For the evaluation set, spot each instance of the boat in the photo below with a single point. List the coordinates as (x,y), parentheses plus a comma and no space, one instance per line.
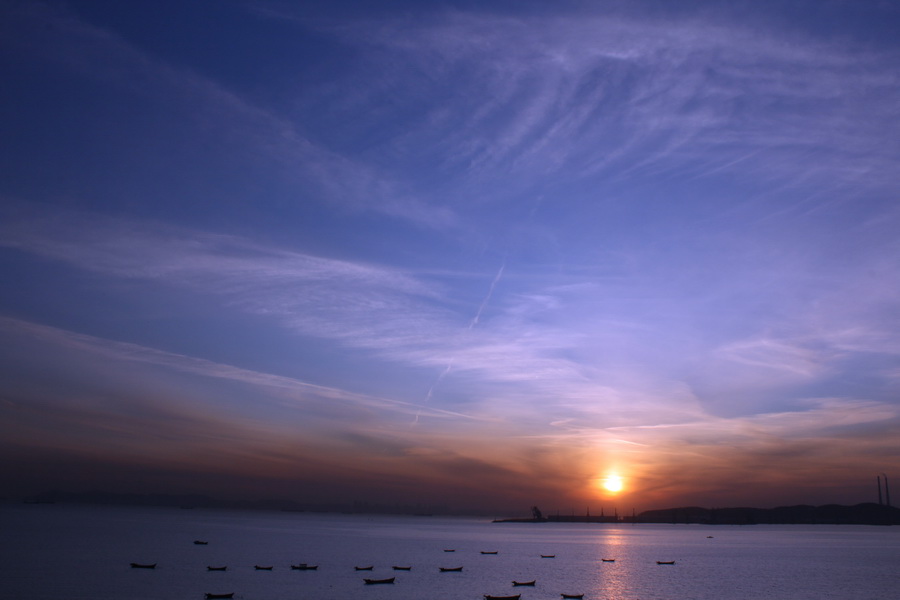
(607,560)
(450,569)
(524,582)
(200,542)
(143,565)
(489,552)
(259,568)
(306,567)
(216,568)
(489,597)
(572,596)
(401,568)
(548,556)
(369,568)
(451,550)
(374,581)
(665,562)
(211,596)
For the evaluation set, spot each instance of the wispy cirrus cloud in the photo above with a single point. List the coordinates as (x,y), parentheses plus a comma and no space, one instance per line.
(236,125)
(588,350)
(407,319)
(286,389)
(591,94)
(520,364)
(318,296)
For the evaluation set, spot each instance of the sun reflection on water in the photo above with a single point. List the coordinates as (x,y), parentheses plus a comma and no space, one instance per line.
(617,578)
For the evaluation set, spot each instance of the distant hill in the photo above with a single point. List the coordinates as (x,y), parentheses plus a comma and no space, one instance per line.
(830,514)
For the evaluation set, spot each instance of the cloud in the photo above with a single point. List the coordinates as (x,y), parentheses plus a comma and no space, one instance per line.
(289,389)
(775,359)
(584,95)
(232,122)
(398,315)
(645,238)
(823,446)
(588,348)
(282,432)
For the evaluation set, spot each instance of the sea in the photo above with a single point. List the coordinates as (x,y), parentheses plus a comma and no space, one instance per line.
(69,552)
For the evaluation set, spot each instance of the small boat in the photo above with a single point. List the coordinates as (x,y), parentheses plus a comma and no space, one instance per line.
(451,550)
(709,537)
(607,560)
(450,569)
(489,552)
(548,556)
(573,596)
(259,568)
(200,542)
(216,568)
(401,568)
(516,597)
(306,567)
(665,562)
(143,565)
(369,568)
(524,582)
(374,581)
(211,596)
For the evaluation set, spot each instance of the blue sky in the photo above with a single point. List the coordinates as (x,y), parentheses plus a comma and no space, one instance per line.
(480,254)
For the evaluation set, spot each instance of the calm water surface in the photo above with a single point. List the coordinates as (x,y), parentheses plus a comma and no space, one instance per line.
(66,552)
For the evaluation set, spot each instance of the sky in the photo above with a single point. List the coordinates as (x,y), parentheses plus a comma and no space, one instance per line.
(460,254)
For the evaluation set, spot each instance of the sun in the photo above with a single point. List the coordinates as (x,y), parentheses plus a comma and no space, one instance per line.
(613,483)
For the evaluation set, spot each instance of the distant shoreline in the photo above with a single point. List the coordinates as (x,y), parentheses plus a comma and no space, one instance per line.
(868,513)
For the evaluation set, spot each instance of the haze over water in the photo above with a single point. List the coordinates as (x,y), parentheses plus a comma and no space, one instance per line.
(53,552)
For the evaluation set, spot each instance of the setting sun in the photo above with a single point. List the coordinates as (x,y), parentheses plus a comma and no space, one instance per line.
(613,483)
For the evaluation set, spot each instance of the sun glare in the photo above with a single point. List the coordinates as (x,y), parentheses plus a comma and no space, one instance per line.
(613,483)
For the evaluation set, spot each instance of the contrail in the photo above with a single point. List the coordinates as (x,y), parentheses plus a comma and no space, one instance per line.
(472,324)
(437,381)
(488,297)
(432,388)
